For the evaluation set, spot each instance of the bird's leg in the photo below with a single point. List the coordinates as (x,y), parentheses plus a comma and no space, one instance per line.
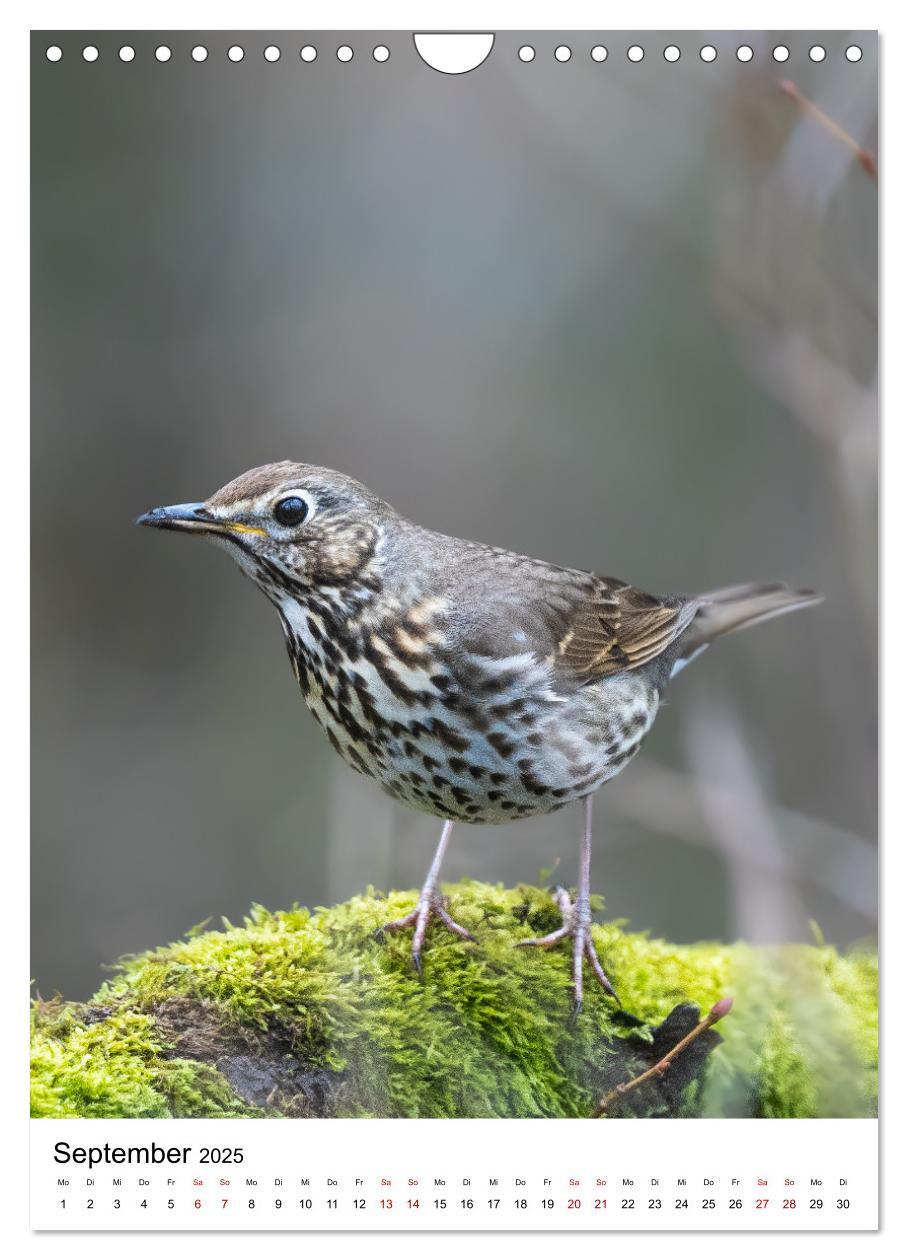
(430,903)
(576,919)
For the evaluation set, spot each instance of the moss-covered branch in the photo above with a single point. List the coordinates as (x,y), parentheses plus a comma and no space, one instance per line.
(305,1014)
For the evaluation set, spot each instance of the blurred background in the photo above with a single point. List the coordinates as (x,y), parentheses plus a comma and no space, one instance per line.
(620,316)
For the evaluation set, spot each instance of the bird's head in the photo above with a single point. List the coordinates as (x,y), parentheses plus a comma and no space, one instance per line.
(291,527)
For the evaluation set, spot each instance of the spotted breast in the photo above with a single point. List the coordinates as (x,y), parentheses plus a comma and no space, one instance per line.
(450,725)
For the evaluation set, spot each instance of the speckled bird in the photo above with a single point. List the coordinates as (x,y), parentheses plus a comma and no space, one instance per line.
(469,682)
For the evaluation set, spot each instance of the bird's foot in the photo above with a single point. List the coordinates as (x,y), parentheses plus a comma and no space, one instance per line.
(431,904)
(575,923)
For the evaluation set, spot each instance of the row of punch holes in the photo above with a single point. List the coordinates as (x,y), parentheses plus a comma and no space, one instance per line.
(526,53)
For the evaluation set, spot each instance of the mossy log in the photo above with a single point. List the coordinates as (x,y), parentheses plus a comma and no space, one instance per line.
(303,1013)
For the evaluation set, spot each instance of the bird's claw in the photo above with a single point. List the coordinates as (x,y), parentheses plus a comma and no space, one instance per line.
(575,923)
(431,904)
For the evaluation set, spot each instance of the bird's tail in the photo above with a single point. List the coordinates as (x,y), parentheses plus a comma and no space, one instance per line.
(734,608)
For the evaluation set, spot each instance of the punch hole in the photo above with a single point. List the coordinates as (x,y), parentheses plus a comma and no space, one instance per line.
(199,53)
(599,52)
(453,53)
(526,52)
(345,53)
(562,53)
(780,53)
(89,53)
(54,53)
(745,53)
(236,53)
(635,53)
(162,53)
(272,53)
(127,53)
(380,52)
(308,53)
(708,53)
(817,53)
(853,53)
(672,53)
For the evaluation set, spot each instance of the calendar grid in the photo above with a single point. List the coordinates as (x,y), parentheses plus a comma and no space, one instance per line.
(438,1175)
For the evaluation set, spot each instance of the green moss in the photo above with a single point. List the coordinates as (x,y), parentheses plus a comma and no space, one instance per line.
(116,1066)
(300,1013)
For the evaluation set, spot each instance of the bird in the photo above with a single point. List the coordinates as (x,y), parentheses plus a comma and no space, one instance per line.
(470,682)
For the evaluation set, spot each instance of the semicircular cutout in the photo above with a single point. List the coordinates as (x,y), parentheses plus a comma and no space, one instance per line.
(453,53)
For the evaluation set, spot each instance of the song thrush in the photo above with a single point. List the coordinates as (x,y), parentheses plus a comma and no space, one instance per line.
(472,683)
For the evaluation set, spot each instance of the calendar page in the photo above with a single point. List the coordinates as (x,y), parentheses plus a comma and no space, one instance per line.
(415,883)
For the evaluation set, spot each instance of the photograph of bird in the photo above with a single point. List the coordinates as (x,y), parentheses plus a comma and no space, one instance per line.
(472,683)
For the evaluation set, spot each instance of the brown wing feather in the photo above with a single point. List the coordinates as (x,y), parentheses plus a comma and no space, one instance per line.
(614,627)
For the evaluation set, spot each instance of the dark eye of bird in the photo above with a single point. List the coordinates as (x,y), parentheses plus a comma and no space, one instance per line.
(291,511)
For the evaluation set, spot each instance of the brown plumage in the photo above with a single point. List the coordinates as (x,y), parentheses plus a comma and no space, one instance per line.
(614,627)
(470,682)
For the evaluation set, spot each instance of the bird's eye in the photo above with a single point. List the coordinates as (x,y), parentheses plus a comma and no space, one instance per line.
(291,511)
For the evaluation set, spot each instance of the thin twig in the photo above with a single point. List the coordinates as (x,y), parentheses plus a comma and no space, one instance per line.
(718,1011)
(864,157)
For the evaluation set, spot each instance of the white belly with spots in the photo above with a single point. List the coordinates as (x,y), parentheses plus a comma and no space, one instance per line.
(481,741)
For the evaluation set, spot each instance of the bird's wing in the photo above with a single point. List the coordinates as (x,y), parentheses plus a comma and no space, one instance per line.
(609,626)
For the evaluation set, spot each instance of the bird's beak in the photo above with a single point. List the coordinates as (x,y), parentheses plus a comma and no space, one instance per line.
(194,518)
(190,517)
